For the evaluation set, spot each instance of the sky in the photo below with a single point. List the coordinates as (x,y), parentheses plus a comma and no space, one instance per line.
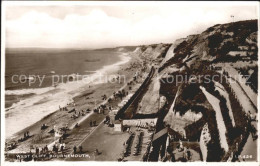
(112,24)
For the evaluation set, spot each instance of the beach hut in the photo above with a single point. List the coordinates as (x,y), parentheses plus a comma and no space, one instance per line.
(122,103)
(128,96)
(118,126)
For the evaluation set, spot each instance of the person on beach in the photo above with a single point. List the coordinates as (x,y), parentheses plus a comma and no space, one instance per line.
(75,149)
(40,150)
(80,149)
(188,153)
(46,148)
(90,123)
(61,148)
(37,150)
(97,152)
(54,148)
(60,140)
(114,94)
(103,97)
(107,119)
(64,146)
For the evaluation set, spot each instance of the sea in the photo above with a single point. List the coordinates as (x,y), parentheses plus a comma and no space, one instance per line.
(39,81)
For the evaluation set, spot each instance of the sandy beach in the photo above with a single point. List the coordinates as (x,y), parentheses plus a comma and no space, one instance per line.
(89,98)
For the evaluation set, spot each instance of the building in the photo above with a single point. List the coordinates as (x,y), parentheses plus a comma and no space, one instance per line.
(112,115)
(139,122)
(118,126)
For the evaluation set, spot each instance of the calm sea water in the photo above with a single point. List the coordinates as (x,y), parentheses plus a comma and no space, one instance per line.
(46,63)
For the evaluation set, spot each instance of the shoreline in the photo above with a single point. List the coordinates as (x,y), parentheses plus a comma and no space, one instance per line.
(23,92)
(94,92)
(72,90)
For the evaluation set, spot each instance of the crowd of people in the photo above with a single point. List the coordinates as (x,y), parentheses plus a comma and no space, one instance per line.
(138,144)
(120,94)
(92,123)
(11,145)
(55,149)
(71,108)
(100,109)
(42,153)
(128,145)
(26,135)
(80,149)
(77,114)
(148,148)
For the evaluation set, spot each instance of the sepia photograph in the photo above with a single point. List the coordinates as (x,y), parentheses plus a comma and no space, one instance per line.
(125,81)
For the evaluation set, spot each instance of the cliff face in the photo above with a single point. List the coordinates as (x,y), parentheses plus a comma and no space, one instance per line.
(214,44)
(155,52)
(194,101)
(193,57)
(151,55)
